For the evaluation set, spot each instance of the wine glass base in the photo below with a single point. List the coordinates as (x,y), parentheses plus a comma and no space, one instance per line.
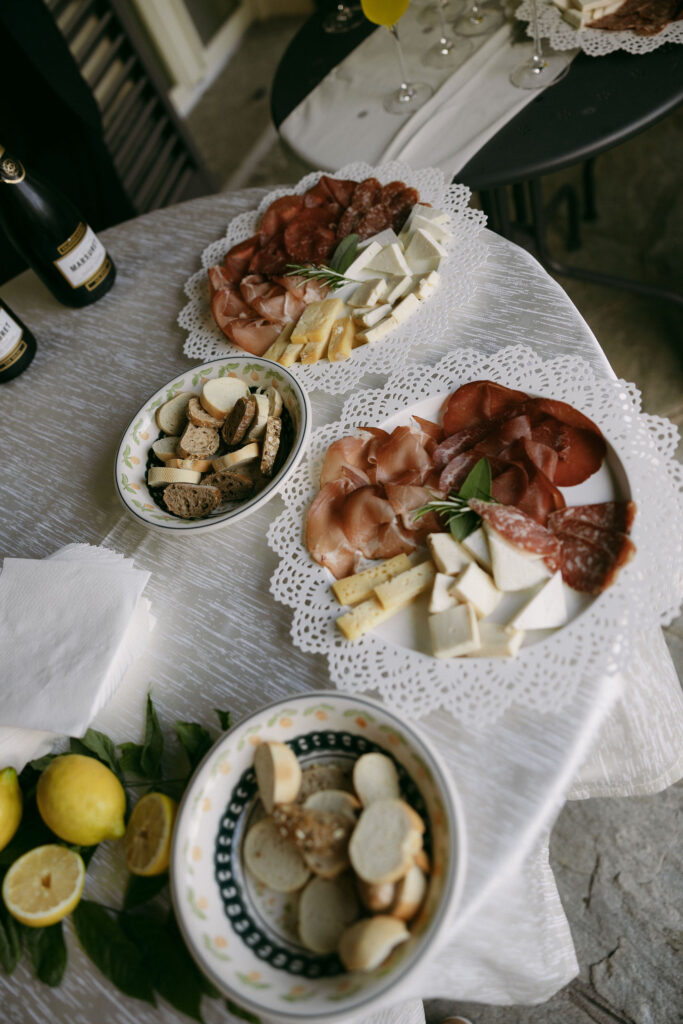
(405,101)
(429,16)
(338,22)
(449,55)
(552,68)
(486,20)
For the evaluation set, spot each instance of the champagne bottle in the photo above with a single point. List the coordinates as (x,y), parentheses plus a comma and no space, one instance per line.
(17,344)
(47,230)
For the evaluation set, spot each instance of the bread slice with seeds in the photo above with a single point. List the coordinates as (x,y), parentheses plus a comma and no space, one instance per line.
(197,414)
(270,445)
(198,442)
(191,501)
(234,484)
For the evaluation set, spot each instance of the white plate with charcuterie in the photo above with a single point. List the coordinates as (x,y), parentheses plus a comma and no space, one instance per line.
(338,276)
(488,537)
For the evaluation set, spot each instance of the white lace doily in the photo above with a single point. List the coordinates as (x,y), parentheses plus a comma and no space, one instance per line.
(595,42)
(647,593)
(466,250)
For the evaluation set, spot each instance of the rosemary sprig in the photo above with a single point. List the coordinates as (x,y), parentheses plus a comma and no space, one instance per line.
(460,519)
(328,276)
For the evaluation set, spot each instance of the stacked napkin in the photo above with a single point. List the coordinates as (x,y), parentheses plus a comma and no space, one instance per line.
(70,627)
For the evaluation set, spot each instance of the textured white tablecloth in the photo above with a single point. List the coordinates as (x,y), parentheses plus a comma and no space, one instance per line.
(343,119)
(221,641)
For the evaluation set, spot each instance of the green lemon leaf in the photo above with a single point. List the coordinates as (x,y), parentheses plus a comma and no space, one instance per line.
(110,949)
(153,747)
(10,940)
(47,951)
(195,740)
(130,755)
(140,889)
(225,719)
(172,971)
(96,744)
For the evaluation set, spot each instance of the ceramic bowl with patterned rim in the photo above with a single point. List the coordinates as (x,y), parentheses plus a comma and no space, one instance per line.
(132,457)
(244,936)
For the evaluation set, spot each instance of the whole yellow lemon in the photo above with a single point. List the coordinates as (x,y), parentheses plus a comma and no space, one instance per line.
(11,805)
(81,800)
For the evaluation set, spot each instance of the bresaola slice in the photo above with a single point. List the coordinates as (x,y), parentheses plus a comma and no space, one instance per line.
(610,515)
(594,544)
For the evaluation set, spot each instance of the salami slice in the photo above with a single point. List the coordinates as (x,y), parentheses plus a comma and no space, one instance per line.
(341,189)
(365,193)
(347,222)
(278,215)
(591,569)
(374,220)
(614,542)
(388,191)
(611,515)
(271,260)
(520,530)
(401,205)
(311,235)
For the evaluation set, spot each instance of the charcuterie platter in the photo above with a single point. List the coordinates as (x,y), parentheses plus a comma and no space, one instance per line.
(518,637)
(338,276)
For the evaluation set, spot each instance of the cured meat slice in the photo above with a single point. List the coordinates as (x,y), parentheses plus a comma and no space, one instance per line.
(374,220)
(405,499)
(611,541)
(236,260)
(388,191)
(590,568)
(218,278)
(278,215)
(341,189)
(319,194)
(433,429)
(347,451)
(324,535)
(403,457)
(520,530)
(611,515)
(478,402)
(253,334)
(270,300)
(453,476)
(271,259)
(311,236)
(227,304)
(365,193)
(309,291)
(401,205)
(580,451)
(347,222)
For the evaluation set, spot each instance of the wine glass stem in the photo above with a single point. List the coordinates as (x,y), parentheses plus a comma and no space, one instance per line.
(537,58)
(441,7)
(399,50)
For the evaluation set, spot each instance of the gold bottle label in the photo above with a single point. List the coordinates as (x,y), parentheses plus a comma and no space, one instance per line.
(12,343)
(12,171)
(83,260)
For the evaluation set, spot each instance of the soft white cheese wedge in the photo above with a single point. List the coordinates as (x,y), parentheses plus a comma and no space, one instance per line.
(454,631)
(369,293)
(423,253)
(437,231)
(448,556)
(547,609)
(477,587)
(359,265)
(397,286)
(477,546)
(426,286)
(497,641)
(429,213)
(405,308)
(368,317)
(380,330)
(386,237)
(440,598)
(389,260)
(513,568)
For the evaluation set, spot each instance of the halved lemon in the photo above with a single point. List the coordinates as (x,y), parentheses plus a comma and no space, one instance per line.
(147,842)
(44,885)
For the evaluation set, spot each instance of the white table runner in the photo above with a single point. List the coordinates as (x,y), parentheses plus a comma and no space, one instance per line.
(343,118)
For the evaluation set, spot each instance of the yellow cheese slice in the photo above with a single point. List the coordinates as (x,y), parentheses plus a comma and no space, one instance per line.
(406,586)
(341,340)
(315,323)
(358,588)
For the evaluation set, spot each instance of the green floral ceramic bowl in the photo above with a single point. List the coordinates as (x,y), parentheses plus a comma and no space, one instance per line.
(244,936)
(130,468)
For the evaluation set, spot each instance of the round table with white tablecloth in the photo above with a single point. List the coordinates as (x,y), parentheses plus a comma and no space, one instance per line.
(222,641)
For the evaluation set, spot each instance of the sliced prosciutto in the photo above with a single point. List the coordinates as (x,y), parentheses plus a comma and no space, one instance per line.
(253,334)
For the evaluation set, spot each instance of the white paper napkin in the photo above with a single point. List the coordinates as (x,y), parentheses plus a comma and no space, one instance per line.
(70,627)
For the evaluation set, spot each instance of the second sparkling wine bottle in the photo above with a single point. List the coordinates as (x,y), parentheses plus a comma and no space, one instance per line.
(47,230)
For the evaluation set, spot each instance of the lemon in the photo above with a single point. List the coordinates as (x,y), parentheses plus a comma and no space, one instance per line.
(147,842)
(44,885)
(11,805)
(81,800)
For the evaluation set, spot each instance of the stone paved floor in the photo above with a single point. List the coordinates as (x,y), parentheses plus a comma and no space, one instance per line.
(618,863)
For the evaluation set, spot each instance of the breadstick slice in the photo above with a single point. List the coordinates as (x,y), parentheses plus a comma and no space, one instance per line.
(375,778)
(385,841)
(367,943)
(335,801)
(326,907)
(274,860)
(278,774)
(410,893)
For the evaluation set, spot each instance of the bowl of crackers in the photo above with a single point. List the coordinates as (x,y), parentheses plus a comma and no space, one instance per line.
(213,444)
(318,858)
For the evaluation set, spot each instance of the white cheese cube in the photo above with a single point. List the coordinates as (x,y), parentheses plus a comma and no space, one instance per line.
(389,260)
(477,546)
(426,286)
(429,213)
(547,609)
(437,231)
(361,261)
(497,641)
(477,587)
(405,308)
(369,316)
(370,292)
(423,253)
(513,568)
(454,631)
(386,237)
(380,330)
(448,556)
(440,598)
(397,286)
